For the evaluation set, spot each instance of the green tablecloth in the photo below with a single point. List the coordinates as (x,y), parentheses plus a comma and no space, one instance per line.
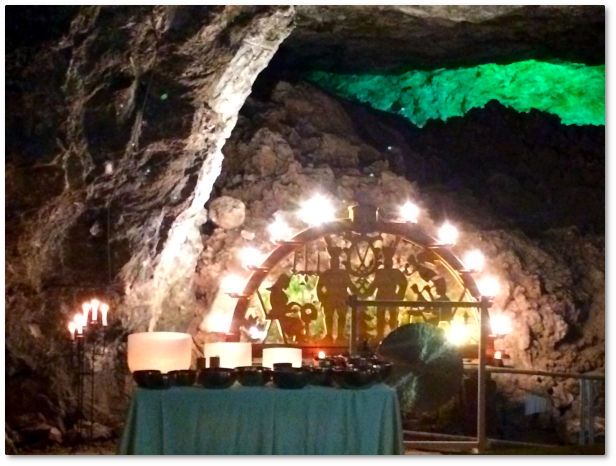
(263,421)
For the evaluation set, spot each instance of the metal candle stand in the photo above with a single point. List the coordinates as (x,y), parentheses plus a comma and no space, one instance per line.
(87,346)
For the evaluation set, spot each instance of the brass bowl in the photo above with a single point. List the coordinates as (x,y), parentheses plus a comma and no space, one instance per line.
(291,378)
(355,377)
(182,378)
(149,379)
(253,376)
(217,377)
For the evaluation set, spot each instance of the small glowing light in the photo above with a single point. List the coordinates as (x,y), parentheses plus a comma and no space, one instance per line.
(255,333)
(104,310)
(474,260)
(108,168)
(447,233)
(388,147)
(488,286)
(500,324)
(219,323)
(250,257)
(94,304)
(279,230)
(498,355)
(80,321)
(458,333)
(317,210)
(409,212)
(232,284)
(72,327)
(322,355)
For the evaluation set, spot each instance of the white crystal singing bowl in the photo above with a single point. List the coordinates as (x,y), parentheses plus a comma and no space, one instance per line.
(163,351)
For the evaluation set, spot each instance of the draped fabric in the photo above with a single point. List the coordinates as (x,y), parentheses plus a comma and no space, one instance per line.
(263,421)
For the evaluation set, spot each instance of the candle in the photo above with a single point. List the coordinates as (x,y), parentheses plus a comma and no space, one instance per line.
(72,327)
(80,321)
(104,310)
(95,303)
(85,307)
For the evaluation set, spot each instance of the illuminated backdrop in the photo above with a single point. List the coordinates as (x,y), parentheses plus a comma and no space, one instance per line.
(574,92)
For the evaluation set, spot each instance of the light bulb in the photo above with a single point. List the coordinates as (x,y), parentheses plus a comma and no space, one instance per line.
(317,210)
(255,333)
(500,324)
(474,260)
(279,230)
(232,284)
(322,355)
(409,212)
(488,286)
(458,333)
(448,234)
(250,257)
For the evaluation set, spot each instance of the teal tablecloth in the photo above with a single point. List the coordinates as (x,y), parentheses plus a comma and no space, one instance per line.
(263,421)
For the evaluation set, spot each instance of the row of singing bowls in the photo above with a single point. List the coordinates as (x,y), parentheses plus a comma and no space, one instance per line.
(254,376)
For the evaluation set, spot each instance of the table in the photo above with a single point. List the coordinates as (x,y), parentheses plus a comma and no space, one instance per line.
(263,421)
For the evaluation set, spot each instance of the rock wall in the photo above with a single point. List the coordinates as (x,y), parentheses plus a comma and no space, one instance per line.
(114,142)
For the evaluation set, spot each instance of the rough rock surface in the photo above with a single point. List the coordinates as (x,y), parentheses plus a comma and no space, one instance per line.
(227,212)
(553,275)
(394,37)
(115,132)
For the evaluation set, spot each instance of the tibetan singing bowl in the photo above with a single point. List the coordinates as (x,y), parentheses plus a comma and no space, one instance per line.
(355,377)
(149,379)
(292,378)
(321,376)
(253,376)
(182,378)
(217,377)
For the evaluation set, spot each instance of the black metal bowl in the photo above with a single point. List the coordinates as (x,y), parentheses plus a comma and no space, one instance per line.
(321,376)
(149,379)
(355,377)
(253,376)
(182,378)
(385,369)
(217,377)
(293,377)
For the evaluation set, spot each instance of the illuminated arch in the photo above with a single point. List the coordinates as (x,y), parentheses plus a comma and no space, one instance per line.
(363,220)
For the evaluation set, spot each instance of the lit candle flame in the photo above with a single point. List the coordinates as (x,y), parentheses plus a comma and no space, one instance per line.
(488,286)
(250,257)
(279,230)
(104,309)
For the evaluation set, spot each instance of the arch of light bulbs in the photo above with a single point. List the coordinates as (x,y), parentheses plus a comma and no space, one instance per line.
(319,210)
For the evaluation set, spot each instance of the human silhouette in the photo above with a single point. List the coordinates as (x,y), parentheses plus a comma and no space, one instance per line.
(333,290)
(290,324)
(390,284)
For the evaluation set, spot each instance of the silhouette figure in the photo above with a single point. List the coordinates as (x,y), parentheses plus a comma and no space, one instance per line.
(290,323)
(389,283)
(333,291)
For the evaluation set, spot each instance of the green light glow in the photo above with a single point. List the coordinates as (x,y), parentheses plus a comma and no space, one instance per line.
(574,92)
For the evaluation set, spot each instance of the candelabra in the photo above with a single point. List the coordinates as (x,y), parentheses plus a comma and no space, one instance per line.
(88,336)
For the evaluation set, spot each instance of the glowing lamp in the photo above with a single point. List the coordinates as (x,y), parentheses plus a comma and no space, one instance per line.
(409,212)
(498,355)
(232,284)
(231,354)
(474,260)
(500,324)
(317,210)
(488,286)
(321,355)
(272,356)
(448,234)
(163,351)
(458,333)
(250,257)
(81,321)
(279,230)
(85,307)
(218,323)
(255,333)
(72,327)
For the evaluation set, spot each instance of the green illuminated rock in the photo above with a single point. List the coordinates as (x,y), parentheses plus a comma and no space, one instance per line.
(574,92)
